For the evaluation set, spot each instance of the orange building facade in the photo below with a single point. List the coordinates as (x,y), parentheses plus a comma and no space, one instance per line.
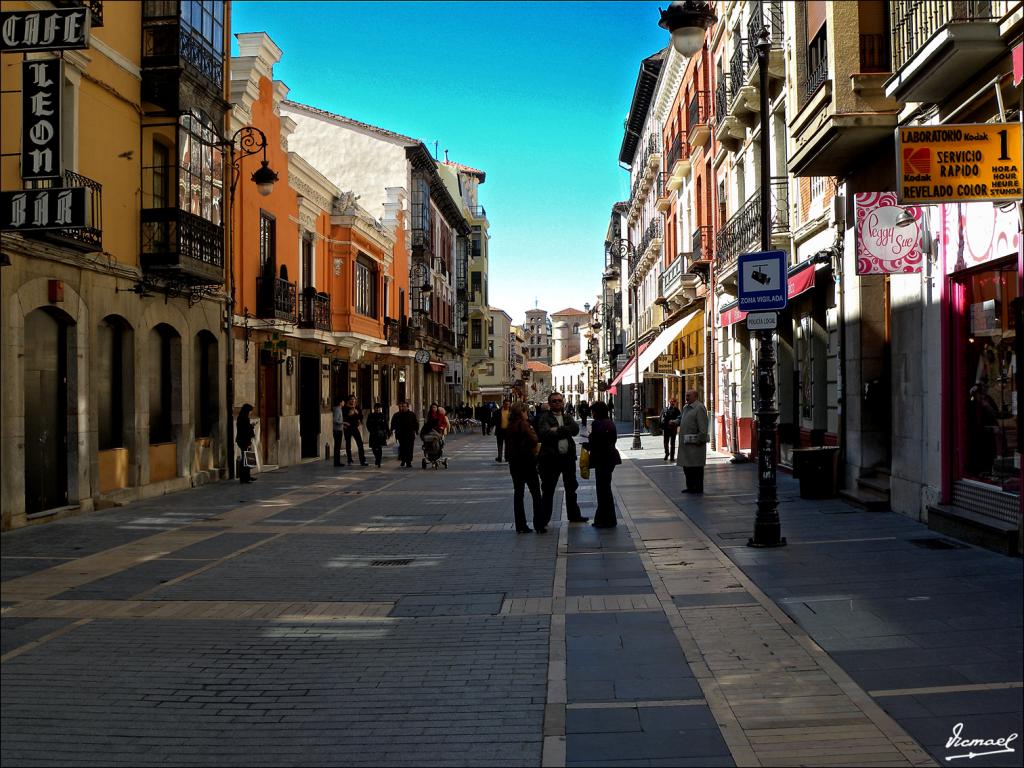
(318,283)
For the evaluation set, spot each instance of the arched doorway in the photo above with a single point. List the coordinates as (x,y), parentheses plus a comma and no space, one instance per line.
(207,399)
(113,381)
(164,402)
(46,409)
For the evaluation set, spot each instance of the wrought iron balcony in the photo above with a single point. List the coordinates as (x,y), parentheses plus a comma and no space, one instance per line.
(477,211)
(738,66)
(676,152)
(874,54)
(392,331)
(722,99)
(168,44)
(275,299)
(915,22)
(652,233)
(703,247)
(769,15)
(181,245)
(95,6)
(88,239)
(698,118)
(419,225)
(939,45)
(742,232)
(663,193)
(315,310)
(817,74)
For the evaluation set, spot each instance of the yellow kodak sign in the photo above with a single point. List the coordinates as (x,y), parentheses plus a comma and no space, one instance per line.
(959,163)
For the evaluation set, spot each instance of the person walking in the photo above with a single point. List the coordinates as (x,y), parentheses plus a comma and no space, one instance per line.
(432,421)
(584,410)
(404,426)
(244,435)
(557,458)
(693,454)
(604,457)
(521,454)
(669,427)
(499,421)
(444,426)
(338,414)
(377,426)
(353,421)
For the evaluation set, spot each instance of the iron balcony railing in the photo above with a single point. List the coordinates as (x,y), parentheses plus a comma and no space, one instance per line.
(392,332)
(874,53)
(769,15)
(96,6)
(419,224)
(671,277)
(742,232)
(914,22)
(168,43)
(661,184)
(653,146)
(676,152)
(275,299)
(738,65)
(315,310)
(702,243)
(697,113)
(721,99)
(478,211)
(90,237)
(179,242)
(652,232)
(817,73)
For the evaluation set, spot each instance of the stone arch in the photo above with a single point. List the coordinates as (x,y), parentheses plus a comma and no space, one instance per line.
(74,314)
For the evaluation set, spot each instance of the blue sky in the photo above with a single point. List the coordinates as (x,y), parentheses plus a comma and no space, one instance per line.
(533,93)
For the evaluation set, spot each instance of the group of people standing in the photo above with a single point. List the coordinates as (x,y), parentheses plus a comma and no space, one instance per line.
(542,452)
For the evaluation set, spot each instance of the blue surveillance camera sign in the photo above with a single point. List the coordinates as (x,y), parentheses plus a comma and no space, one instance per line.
(763,282)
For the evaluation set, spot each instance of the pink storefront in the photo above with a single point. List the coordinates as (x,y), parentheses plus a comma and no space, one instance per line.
(981,257)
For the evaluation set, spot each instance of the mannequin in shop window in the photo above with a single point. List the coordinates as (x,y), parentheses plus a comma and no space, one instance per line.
(982,430)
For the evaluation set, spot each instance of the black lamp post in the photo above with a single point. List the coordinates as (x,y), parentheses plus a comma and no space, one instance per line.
(250,140)
(688,21)
(767,527)
(620,248)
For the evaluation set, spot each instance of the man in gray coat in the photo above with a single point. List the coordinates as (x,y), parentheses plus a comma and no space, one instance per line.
(693,433)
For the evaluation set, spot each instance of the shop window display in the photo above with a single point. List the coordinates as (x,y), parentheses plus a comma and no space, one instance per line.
(989,382)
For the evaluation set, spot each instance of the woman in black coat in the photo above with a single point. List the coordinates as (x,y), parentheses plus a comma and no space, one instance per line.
(244,435)
(604,457)
(377,426)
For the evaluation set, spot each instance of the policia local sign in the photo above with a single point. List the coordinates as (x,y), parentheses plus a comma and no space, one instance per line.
(959,163)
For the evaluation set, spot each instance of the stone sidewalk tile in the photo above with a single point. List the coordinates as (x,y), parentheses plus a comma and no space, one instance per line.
(737,650)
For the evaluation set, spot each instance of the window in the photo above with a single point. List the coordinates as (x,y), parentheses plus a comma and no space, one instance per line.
(204,19)
(161,173)
(490,329)
(366,286)
(268,255)
(307,260)
(475,285)
(201,171)
(112,344)
(477,333)
(490,348)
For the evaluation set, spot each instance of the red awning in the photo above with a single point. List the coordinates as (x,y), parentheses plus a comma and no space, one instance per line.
(436,366)
(801,281)
(625,368)
(729,316)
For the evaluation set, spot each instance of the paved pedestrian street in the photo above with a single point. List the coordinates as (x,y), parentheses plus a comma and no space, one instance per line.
(394,617)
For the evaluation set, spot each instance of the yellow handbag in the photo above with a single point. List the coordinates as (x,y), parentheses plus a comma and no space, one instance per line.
(584,463)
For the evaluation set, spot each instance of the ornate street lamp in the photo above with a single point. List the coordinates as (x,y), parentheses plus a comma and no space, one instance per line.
(621,248)
(250,140)
(687,21)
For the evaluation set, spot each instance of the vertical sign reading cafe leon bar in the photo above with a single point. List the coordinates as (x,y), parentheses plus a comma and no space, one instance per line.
(40,126)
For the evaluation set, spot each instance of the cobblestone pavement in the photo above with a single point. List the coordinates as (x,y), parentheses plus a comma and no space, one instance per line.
(394,617)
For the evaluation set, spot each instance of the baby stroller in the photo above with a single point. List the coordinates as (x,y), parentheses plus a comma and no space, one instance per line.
(433,450)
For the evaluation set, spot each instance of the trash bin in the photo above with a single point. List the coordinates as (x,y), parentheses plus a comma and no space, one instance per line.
(654,424)
(818,471)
